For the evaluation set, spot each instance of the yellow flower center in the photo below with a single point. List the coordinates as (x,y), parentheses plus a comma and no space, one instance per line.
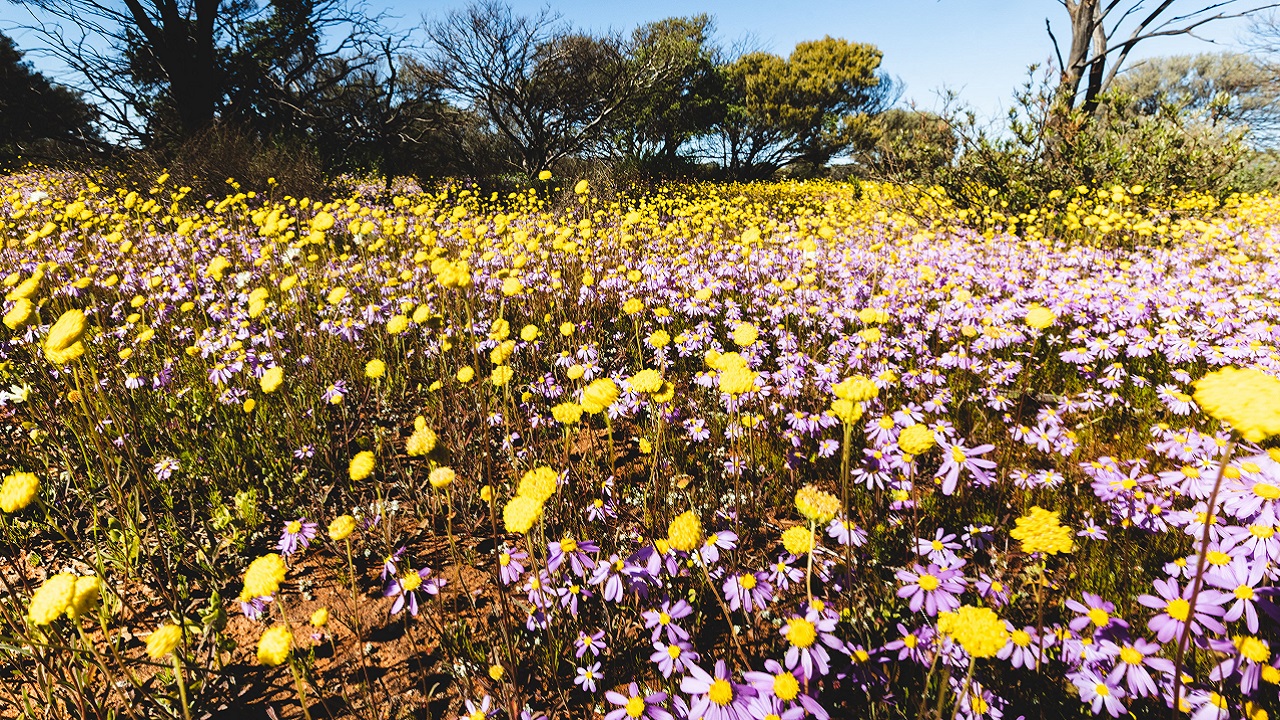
(293,528)
(1102,689)
(568,545)
(1130,656)
(936,545)
(411,581)
(1253,648)
(785,686)
(1217,557)
(910,641)
(504,559)
(802,633)
(747,581)
(1021,638)
(1244,592)
(664,619)
(1266,491)
(1099,617)
(673,651)
(1178,609)
(957,455)
(928,582)
(635,707)
(1262,532)
(720,693)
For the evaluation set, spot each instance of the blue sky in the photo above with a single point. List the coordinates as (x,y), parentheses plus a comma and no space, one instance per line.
(980,48)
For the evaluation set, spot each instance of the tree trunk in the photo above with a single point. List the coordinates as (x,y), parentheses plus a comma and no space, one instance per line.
(1085,17)
(1097,70)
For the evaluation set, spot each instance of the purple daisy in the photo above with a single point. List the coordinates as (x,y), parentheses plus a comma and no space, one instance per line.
(636,705)
(297,534)
(405,589)
(932,588)
(716,696)
(1176,610)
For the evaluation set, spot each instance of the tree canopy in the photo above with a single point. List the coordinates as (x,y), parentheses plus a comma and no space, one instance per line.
(33,109)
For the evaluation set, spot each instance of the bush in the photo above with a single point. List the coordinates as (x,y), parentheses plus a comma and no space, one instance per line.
(1040,149)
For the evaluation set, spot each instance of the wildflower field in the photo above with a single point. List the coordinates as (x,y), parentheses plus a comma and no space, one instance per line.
(718,452)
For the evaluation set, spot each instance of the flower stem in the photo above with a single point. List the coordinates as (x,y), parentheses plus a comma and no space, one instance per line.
(1198,579)
(182,687)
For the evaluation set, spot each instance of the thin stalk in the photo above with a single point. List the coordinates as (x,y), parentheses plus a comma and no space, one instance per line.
(1198,579)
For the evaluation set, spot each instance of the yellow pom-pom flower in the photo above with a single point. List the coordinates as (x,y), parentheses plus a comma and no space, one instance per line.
(745,335)
(63,343)
(599,395)
(567,413)
(818,506)
(20,314)
(1039,317)
(855,389)
(737,379)
(84,596)
(798,540)
(320,617)
(397,324)
(1248,400)
(163,641)
(917,439)
(684,533)
(271,379)
(275,645)
(646,381)
(341,527)
(538,484)
(1040,531)
(520,513)
(980,632)
(361,466)
(263,577)
(52,599)
(442,477)
(421,442)
(18,490)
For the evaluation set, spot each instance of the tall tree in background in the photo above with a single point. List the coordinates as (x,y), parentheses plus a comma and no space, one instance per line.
(33,109)
(1234,91)
(389,118)
(548,90)
(805,109)
(169,68)
(685,102)
(1105,32)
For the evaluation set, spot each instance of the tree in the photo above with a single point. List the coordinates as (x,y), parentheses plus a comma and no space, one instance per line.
(33,109)
(1235,91)
(684,104)
(806,109)
(162,69)
(547,90)
(387,117)
(904,143)
(1105,32)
